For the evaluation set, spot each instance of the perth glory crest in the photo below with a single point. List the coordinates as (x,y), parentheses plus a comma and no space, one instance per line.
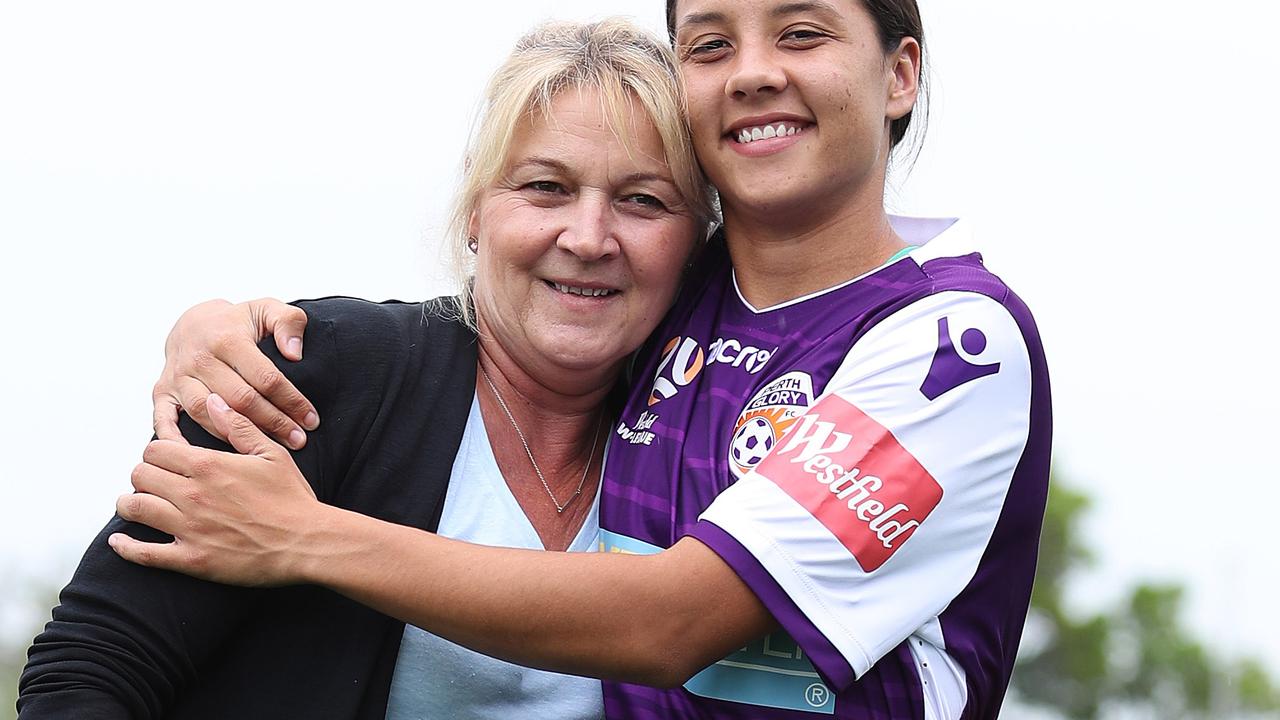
(766,418)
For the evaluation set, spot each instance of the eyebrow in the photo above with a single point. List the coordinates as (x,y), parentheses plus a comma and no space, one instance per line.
(649,177)
(557,166)
(539,161)
(702,18)
(791,8)
(802,6)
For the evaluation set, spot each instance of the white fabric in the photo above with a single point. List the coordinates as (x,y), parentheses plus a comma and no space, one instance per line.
(941,677)
(435,678)
(967,440)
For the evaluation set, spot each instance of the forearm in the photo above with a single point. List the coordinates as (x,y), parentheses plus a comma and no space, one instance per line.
(645,619)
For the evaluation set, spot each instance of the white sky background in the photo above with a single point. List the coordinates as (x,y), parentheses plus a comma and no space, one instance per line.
(1115,158)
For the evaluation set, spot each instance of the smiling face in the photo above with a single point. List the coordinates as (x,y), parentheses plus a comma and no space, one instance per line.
(791,102)
(582,238)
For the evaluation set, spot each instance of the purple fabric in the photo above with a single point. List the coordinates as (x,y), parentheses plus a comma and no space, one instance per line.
(713,368)
(983,625)
(835,670)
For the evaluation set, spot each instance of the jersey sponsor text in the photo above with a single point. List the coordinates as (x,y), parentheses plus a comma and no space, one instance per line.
(851,473)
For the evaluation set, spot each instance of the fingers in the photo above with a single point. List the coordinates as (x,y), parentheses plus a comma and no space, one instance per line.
(164,417)
(192,396)
(252,385)
(154,506)
(150,510)
(165,556)
(179,458)
(203,464)
(170,398)
(164,484)
(213,347)
(243,435)
(285,322)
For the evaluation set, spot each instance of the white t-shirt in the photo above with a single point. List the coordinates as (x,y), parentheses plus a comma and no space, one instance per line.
(435,678)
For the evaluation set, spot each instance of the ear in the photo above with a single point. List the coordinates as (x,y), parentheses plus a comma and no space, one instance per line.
(473,224)
(904,78)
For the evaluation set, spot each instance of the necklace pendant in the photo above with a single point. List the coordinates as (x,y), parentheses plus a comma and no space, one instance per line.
(595,439)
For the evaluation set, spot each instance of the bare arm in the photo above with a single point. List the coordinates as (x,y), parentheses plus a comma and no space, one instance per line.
(251,519)
(650,619)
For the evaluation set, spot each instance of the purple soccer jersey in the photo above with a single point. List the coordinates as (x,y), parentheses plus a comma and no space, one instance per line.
(872,460)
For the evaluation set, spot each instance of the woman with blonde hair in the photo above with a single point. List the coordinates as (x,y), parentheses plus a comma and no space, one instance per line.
(583,203)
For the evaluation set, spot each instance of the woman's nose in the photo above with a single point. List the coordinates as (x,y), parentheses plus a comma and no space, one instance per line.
(590,235)
(756,71)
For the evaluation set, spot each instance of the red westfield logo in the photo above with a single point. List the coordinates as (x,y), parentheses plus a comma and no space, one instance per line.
(850,472)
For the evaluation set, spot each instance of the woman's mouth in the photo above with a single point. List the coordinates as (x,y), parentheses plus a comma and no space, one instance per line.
(582,291)
(748,135)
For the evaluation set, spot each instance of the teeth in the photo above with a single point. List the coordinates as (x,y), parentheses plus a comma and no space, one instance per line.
(585,292)
(765,132)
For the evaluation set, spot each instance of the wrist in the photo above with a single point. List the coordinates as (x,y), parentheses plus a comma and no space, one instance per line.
(323,539)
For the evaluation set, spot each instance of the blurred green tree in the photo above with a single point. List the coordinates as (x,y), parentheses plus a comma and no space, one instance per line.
(1136,658)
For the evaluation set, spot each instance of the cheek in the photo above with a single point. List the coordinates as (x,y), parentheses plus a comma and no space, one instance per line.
(662,262)
(859,103)
(703,96)
(502,268)
(519,242)
(489,293)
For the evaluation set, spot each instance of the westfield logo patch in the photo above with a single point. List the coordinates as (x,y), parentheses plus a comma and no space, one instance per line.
(850,472)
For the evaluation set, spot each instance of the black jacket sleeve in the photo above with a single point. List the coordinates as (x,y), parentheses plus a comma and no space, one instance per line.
(125,639)
(393,383)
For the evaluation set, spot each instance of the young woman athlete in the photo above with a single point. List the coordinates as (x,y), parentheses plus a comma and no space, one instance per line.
(825,490)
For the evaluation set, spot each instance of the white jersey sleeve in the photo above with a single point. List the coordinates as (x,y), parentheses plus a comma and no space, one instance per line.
(874,510)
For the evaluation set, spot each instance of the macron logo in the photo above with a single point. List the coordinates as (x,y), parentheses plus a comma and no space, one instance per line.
(949,369)
(854,477)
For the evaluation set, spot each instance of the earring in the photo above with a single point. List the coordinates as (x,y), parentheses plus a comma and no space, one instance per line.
(473,244)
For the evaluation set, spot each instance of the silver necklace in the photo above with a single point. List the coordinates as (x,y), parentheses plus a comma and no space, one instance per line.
(560,507)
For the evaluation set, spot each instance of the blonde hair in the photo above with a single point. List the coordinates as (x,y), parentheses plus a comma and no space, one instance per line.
(624,64)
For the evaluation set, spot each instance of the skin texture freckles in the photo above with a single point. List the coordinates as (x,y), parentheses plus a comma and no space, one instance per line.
(824,68)
(791,204)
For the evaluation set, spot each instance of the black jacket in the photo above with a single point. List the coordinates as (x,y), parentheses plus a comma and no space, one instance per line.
(393,384)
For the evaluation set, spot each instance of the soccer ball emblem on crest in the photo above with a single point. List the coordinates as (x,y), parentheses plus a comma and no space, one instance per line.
(766,418)
(752,442)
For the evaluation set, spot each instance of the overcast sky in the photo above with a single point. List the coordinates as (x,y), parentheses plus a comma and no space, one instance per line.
(1115,159)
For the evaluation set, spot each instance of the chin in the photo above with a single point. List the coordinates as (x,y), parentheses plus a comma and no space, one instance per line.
(582,352)
(773,197)
(759,202)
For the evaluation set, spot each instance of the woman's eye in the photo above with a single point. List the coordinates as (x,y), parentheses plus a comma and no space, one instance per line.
(648,202)
(544,186)
(803,36)
(705,49)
